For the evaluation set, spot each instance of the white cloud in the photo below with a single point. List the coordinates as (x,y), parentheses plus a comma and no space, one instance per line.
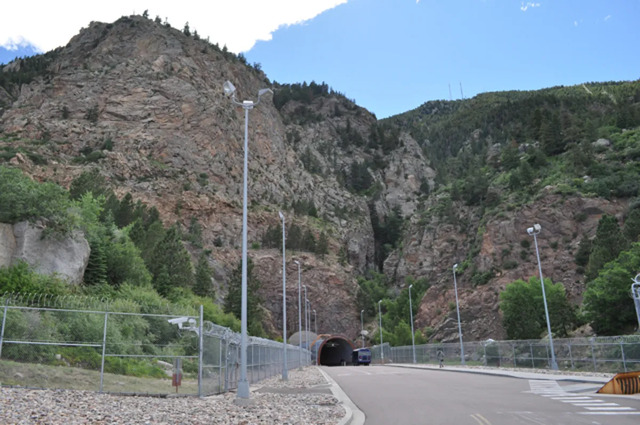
(524,6)
(15,44)
(606,18)
(236,23)
(575,23)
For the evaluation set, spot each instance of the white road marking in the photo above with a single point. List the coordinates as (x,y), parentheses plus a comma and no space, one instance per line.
(552,390)
(609,413)
(619,408)
(571,398)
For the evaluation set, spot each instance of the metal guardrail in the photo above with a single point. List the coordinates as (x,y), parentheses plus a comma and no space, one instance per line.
(125,352)
(597,354)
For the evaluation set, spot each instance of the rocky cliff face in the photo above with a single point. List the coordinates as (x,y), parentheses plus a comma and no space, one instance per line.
(144,103)
(505,250)
(156,96)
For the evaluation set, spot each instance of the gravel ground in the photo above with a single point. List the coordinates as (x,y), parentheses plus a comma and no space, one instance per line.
(303,399)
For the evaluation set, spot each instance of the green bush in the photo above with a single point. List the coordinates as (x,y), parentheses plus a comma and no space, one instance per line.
(20,278)
(24,199)
(523,312)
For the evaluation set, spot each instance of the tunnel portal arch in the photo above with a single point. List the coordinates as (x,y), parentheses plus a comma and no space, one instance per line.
(333,350)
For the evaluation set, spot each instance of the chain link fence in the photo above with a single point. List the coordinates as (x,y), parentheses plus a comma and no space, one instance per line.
(85,348)
(596,354)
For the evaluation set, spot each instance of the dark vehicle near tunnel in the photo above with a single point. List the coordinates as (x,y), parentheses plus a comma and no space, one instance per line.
(361,356)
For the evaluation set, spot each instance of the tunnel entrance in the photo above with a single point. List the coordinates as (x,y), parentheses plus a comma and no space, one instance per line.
(334,351)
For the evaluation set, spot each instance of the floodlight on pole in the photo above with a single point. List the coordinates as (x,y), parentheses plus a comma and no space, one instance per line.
(455,286)
(306,334)
(362,327)
(381,341)
(413,337)
(299,317)
(309,325)
(533,231)
(635,293)
(229,91)
(315,321)
(284,302)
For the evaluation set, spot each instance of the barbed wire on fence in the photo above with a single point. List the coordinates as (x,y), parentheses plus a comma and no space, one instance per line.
(87,302)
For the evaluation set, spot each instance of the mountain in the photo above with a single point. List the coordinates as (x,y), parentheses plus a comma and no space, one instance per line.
(407,197)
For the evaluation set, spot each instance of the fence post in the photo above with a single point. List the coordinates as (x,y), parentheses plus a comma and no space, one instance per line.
(200,328)
(624,360)
(515,362)
(220,346)
(593,355)
(533,361)
(4,319)
(104,348)
(484,347)
(226,363)
(571,355)
(546,349)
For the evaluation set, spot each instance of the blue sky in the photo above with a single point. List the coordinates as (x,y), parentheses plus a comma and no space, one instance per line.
(391,56)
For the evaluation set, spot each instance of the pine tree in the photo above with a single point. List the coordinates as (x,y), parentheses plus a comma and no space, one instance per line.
(202,285)
(294,237)
(631,228)
(309,241)
(232,302)
(89,181)
(551,136)
(171,254)
(607,244)
(322,248)
(96,270)
(124,214)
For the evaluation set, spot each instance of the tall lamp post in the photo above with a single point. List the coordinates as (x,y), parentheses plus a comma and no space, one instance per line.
(309,317)
(309,322)
(315,321)
(455,286)
(229,90)
(284,303)
(381,342)
(362,327)
(299,316)
(413,337)
(306,334)
(533,231)
(635,293)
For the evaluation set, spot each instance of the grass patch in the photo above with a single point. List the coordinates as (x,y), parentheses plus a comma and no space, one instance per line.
(31,375)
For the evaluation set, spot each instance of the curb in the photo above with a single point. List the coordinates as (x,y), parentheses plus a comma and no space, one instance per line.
(510,374)
(353,415)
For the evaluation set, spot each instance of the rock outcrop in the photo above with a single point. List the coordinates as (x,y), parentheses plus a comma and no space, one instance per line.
(65,257)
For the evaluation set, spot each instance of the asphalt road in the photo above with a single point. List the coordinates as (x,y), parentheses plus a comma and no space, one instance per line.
(389,395)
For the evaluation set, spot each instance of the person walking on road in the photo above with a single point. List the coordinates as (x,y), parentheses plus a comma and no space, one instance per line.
(440,356)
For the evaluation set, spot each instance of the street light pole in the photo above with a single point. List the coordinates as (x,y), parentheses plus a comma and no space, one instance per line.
(243,383)
(381,342)
(309,317)
(413,337)
(455,286)
(306,334)
(362,327)
(315,321)
(533,231)
(635,293)
(299,316)
(284,303)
